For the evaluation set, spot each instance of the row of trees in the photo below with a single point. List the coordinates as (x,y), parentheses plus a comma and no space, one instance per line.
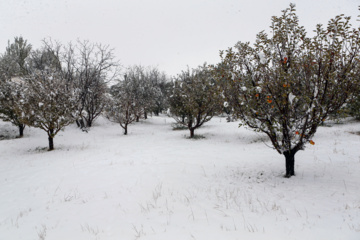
(51,87)
(285,85)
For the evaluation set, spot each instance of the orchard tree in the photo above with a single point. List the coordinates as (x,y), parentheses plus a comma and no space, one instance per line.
(50,98)
(140,89)
(47,57)
(12,100)
(195,98)
(133,96)
(122,105)
(153,88)
(153,97)
(94,68)
(50,102)
(13,67)
(88,67)
(353,107)
(14,61)
(161,90)
(287,84)
(177,107)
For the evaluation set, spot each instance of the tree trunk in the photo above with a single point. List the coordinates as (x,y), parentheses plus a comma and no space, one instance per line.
(89,122)
(21,130)
(289,163)
(81,123)
(192,132)
(125,129)
(137,118)
(190,127)
(51,143)
(145,115)
(51,139)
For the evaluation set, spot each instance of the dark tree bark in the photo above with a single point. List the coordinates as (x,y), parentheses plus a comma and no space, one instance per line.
(145,115)
(21,130)
(289,163)
(51,143)
(51,139)
(125,130)
(80,123)
(192,130)
(89,122)
(137,118)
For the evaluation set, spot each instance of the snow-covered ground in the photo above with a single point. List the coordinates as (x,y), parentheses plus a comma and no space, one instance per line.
(156,183)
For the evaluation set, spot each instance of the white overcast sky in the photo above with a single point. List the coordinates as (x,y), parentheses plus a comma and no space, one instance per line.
(168,34)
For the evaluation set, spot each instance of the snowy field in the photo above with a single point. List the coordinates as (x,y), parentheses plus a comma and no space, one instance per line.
(157,184)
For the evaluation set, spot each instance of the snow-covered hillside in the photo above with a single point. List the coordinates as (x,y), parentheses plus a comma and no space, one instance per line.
(156,183)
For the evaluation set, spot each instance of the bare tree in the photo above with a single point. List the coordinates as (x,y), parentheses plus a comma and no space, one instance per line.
(123,105)
(94,68)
